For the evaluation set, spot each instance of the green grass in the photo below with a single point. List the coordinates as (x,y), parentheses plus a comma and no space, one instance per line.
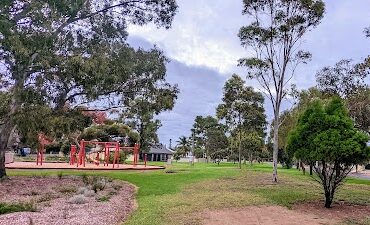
(179,197)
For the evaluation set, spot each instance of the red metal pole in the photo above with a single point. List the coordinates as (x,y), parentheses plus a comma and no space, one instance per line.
(118,154)
(114,157)
(105,154)
(84,155)
(42,153)
(37,156)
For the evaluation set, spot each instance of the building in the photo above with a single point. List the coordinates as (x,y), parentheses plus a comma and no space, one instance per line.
(158,152)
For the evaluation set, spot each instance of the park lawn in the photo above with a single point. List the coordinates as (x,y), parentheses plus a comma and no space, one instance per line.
(179,194)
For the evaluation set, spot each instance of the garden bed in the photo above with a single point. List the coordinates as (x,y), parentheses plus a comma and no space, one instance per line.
(65,200)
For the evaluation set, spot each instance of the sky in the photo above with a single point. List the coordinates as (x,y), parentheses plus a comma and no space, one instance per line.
(204,48)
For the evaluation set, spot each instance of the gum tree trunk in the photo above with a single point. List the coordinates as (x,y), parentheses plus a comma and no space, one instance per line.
(275,148)
(6,131)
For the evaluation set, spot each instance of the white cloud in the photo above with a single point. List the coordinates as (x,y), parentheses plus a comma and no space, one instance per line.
(204,33)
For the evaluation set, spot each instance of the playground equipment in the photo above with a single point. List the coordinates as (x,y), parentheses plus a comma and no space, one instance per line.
(43,140)
(108,147)
(79,157)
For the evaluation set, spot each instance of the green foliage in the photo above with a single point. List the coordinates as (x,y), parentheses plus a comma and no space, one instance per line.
(217,144)
(344,79)
(202,128)
(242,107)
(16,207)
(359,108)
(60,175)
(104,198)
(104,132)
(182,147)
(153,95)
(326,134)
(251,144)
(52,65)
(123,155)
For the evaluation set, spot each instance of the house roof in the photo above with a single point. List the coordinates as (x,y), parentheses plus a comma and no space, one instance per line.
(159,149)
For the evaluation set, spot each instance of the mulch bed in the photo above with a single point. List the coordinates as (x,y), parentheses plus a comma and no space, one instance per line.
(51,197)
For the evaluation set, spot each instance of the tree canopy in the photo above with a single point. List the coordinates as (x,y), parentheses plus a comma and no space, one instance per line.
(65,53)
(326,134)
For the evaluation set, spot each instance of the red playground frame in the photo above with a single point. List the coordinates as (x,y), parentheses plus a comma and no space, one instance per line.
(80,157)
(43,140)
(108,146)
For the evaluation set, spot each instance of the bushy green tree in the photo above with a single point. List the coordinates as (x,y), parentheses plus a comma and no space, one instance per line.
(241,110)
(202,128)
(251,145)
(217,144)
(70,52)
(152,95)
(106,132)
(325,134)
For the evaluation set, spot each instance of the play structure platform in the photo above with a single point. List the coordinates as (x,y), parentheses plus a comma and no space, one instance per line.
(88,166)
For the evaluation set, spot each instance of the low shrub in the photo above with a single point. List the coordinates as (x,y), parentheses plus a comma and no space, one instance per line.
(78,199)
(85,179)
(82,190)
(17,207)
(60,175)
(104,198)
(89,193)
(67,189)
(45,198)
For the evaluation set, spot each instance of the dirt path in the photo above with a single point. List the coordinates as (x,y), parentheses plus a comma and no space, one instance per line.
(264,215)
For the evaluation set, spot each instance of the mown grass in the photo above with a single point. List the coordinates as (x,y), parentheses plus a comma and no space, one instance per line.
(181,196)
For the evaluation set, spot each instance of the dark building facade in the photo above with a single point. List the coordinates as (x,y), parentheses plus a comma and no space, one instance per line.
(158,153)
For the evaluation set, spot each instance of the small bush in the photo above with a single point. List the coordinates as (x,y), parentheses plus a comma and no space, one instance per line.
(67,189)
(89,193)
(45,198)
(78,199)
(98,184)
(104,198)
(17,207)
(116,187)
(82,190)
(60,175)
(367,167)
(85,179)
(122,157)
